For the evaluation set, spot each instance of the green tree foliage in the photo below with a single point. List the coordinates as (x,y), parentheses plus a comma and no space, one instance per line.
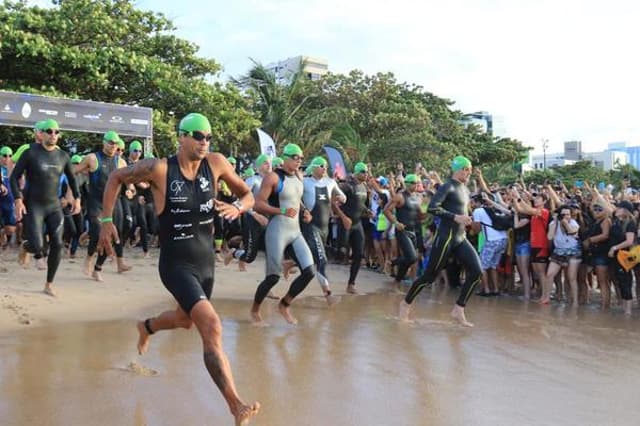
(109,51)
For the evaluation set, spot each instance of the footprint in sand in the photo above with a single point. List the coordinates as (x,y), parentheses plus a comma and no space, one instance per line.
(139,370)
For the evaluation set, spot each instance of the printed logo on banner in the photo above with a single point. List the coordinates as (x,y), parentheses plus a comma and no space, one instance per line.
(7,109)
(92,116)
(139,121)
(116,119)
(70,114)
(48,111)
(26,110)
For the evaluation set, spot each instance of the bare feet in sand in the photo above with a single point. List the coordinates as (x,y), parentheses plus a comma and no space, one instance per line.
(96,275)
(457,313)
(242,266)
(123,267)
(351,289)
(88,265)
(24,257)
(331,299)
(228,256)
(41,264)
(256,319)
(284,311)
(48,290)
(143,338)
(245,412)
(404,311)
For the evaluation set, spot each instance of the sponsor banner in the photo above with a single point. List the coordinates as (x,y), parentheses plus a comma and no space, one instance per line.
(24,109)
(267,146)
(336,162)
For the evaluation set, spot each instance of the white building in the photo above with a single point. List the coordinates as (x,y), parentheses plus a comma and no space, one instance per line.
(313,68)
(552,160)
(607,160)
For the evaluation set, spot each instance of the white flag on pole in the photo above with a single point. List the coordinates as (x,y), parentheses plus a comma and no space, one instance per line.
(267,146)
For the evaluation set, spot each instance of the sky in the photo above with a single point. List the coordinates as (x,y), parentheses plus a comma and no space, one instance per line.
(555,70)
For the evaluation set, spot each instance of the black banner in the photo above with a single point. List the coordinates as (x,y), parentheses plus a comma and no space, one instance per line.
(24,109)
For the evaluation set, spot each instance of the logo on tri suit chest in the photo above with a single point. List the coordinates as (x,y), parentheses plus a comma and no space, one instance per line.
(182,236)
(176,187)
(207,207)
(178,211)
(180,226)
(204,184)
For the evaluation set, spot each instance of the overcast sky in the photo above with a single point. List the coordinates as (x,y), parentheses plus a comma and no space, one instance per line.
(557,70)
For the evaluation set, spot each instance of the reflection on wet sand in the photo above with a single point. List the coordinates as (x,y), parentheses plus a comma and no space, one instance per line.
(348,365)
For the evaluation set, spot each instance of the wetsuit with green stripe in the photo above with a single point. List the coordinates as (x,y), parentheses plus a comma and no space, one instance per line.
(451,199)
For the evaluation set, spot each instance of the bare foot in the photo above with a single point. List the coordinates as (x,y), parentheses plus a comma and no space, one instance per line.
(41,264)
(145,255)
(88,265)
(272,295)
(245,413)
(331,299)
(457,313)
(143,338)
(242,266)
(23,257)
(404,311)
(48,290)
(122,267)
(256,319)
(544,301)
(228,257)
(219,257)
(284,311)
(96,275)
(351,289)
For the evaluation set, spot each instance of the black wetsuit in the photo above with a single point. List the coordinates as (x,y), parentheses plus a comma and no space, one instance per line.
(355,208)
(617,235)
(408,215)
(97,181)
(187,258)
(146,218)
(451,199)
(43,169)
(252,231)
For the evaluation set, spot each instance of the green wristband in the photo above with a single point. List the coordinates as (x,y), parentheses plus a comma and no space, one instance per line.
(283,210)
(106,219)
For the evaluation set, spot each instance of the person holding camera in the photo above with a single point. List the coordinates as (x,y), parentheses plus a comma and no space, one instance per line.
(566,255)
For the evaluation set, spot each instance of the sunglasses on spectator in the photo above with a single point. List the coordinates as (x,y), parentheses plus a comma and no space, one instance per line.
(52,131)
(295,157)
(136,150)
(6,155)
(199,136)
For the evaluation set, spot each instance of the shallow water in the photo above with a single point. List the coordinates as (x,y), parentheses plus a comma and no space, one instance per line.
(352,364)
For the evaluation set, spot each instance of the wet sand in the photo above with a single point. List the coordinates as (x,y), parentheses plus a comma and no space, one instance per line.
(353,364)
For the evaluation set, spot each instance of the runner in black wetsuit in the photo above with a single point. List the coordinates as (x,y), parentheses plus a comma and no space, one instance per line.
(74,224)
(319,191)
(253,223)
(351,214)
(100,165)
(450,204)
(43,164)
(407,215)
(184,191)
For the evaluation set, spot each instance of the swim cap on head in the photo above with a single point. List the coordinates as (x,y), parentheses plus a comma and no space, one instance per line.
(47,124)
(135,146)
(383,181)
(111,136)
(459,163)
(231,160)
(291,149)
(76,159)
(360,167)
(318,162)
(261,159)
(276,162)
(194,121)
(249,172)
(121,144)
(5,150)
(411,178)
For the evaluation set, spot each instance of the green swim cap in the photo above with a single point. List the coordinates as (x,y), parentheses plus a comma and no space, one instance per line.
(459,163)
(231,160)
(411,178)
(277,162)
(291,149)
(261,159)
(121,144)
(47,124)
(360,167)
(249,172)
(5,150)
(194,122)
(76,159)
(309,170)
(135,146)
(318,162)
(111,136)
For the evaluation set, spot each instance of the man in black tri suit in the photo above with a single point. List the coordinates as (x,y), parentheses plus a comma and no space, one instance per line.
(43,164)
(451,204)
(184,188)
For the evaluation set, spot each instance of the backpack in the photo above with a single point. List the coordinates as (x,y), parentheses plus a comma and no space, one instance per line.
(500,221)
